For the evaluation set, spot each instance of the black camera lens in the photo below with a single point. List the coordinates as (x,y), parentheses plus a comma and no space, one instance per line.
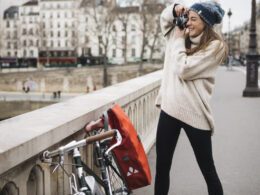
(181,21)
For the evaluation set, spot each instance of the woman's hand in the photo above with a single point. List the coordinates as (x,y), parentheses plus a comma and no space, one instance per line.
(181,33)
(180,10)
(94,125)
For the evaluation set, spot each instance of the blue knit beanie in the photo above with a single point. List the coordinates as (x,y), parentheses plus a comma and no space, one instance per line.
(210,12)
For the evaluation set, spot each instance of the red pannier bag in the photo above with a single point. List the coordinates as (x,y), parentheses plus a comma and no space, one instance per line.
(130,155)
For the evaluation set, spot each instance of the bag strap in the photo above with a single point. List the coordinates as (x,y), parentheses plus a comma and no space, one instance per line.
(105,115)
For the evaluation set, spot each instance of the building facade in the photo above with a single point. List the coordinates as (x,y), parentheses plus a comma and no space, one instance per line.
(65,32)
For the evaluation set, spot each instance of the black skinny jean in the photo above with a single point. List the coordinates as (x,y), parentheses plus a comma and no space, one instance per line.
(167,136)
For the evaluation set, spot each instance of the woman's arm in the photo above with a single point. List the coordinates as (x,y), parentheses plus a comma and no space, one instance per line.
(167,16)
(200,65)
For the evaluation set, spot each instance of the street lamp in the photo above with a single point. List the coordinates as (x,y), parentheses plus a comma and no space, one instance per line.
(229,38)
(252,89)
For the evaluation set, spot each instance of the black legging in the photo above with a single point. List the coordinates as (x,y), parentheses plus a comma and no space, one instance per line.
(167,136)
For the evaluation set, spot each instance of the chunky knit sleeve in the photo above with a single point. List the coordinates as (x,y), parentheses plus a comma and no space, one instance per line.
(202,64)
(166,19)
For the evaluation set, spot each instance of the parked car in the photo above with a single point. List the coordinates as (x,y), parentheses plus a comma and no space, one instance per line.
(236,62)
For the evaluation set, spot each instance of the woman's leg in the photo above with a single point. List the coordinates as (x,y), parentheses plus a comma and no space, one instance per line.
(202,147)
(168,131)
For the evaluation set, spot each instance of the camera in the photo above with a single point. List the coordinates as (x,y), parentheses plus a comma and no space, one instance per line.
(181,21)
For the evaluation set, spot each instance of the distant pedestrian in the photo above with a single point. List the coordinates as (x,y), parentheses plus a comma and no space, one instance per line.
(230,61)
(58,94)
(192,57)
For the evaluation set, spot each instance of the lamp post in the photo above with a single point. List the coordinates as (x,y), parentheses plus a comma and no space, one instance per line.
(252,89)
(229,37)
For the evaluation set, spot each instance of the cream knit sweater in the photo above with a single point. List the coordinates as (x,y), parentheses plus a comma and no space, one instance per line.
(188,81)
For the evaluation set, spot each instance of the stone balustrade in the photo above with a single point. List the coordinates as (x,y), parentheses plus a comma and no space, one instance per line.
(25,137)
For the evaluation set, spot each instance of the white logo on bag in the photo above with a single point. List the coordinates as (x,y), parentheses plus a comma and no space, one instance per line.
(131,171)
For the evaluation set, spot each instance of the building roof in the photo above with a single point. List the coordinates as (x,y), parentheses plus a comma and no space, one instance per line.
(30,3)
(10,12)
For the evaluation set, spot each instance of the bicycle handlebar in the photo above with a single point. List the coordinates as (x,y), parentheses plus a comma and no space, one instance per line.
(75,144)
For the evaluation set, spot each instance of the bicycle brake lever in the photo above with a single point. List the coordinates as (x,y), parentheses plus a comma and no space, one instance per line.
(118,142)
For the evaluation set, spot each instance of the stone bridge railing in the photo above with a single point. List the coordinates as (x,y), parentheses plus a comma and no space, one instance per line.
(25,137)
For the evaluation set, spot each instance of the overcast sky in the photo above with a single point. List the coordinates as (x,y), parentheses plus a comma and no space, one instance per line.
(241,10)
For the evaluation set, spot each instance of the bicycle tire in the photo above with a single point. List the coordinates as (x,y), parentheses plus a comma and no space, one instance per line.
(117,182)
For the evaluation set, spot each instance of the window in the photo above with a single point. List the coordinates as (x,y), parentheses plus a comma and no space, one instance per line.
(133,52)
(58,33)
(7,24)
(123,52)
(31,42)
(24,53)
(66,33)
(58,43)
(133,39)
(58,24)
(15,45)
(100,51)
(66,25)
(123,39)
(24,31)
(124,27)
(24,43)
(52,34)
(114,41)
(114,53)
(88,51)
(52,43)
(133,27)
(100,39)
(114,28)
(86,39)
(8,45)
(8,53)
(15,34)
(8,36)
(73,43)
(31,53)
(31,31)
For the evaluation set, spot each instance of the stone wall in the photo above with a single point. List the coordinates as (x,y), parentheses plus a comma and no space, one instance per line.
(25,137)
(71,80)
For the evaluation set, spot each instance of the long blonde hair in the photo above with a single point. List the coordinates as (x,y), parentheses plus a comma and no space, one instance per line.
(208,35)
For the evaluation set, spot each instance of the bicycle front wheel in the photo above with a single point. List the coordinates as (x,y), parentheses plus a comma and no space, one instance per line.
(116,180)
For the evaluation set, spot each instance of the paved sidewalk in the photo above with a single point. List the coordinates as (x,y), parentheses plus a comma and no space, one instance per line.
(236,144)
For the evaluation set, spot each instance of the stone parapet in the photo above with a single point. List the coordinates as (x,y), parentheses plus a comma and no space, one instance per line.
(25,137)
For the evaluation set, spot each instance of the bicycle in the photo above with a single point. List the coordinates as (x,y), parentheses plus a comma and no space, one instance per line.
(109,182)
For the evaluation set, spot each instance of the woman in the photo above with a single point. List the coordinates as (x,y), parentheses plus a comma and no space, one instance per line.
(192,57)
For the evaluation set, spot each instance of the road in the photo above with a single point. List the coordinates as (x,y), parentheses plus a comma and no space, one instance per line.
(236,145)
